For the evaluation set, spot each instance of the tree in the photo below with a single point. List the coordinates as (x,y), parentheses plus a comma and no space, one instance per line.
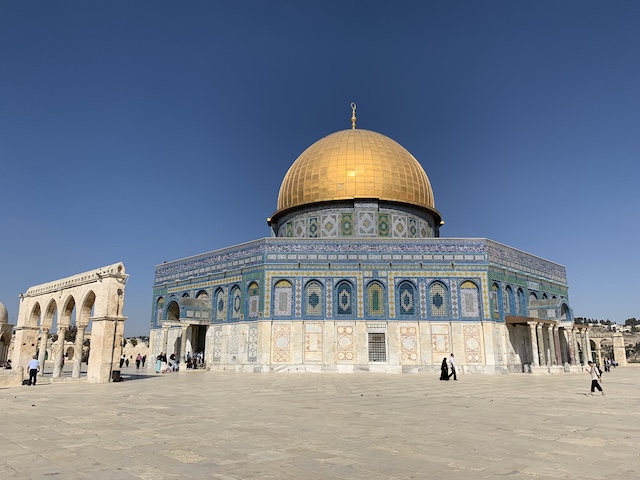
(134,341)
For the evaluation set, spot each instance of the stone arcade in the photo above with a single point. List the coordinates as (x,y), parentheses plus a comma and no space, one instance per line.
(356,278)
(98,298)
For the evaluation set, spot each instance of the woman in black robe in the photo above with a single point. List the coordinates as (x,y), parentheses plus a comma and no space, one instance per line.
(444,370)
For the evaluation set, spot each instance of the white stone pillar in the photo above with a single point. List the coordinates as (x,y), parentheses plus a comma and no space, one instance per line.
(551,352)
(183,346)
(556,339)
(77,351)
(571,344)
(534,344)
(541,345)
(42,349)
(59,352)
(587,341)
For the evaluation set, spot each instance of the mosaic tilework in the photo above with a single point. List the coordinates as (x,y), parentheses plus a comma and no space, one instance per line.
(399,226)
(346,224)
(392,299)
(298,297)
(423,300)
(424,229)
(329,302)
(384,225)
(282,294)
(289,230)
(254,300)
(344,299)
(300,227)
(217,344)
(366,226)
(469,300)
(221,304)
(454,299)
(211,283)
(360,293)
(345,345)
(375,300)
(472,343)
(313,298)
(236,307)
(440,338)
(407,299)
(438,297)
(281,343)
(313,342)
(408,343)
(313,227)
(413,228)
(252,344)
(330,226)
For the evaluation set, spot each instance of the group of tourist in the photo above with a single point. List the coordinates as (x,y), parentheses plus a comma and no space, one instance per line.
(197,361)
(140,360)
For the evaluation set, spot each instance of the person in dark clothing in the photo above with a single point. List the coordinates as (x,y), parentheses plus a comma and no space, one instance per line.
(444,370)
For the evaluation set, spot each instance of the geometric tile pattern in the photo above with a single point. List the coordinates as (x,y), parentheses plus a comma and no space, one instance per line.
(313,342)
(440,339)
(366,224)
(399,226)
(384,225)
(330,226)
(470,307)
(300,228)
(454,298)
(329,302)
(423,300)
(252,344)
(345,344)
(472,343)
(298,297)
(346,224)
(217,344)
(281,342)
(408,344)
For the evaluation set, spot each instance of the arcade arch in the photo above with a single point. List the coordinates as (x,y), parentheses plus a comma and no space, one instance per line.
(90,298)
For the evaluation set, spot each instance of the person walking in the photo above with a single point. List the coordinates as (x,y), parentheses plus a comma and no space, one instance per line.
(595,378)
(444,370)
(33,367)
(138,360)
(144,359)
(452,367)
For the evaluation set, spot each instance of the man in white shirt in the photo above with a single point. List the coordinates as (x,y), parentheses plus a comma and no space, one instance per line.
(595,378)
(452,368)
(33,367)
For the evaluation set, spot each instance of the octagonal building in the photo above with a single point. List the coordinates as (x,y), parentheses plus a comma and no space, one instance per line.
(355,277)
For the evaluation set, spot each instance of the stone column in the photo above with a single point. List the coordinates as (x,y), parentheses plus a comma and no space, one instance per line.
(587,341)
(165,338)
(551,360)
(571,344)
(541,345)
(556,338)
(42,353)
(183,346)
(599,353)
(77,351)
(534,344)
(59,352)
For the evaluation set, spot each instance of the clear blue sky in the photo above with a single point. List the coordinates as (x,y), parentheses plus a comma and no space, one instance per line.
(151,131)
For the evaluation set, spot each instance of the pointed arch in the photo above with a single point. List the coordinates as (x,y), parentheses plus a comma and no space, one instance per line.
(376,295)
(438,300)
(344,299)
(88,302)
(495,301)
(469,300)
(236,302)
(202,295)
(173,311)
(521,306)
(50,314)
(35,317)
(407,299)
(220,305)
(508,300)
(282,298)
(253,291)
(313,296)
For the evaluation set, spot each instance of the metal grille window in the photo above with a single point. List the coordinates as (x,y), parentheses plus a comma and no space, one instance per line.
(377,347)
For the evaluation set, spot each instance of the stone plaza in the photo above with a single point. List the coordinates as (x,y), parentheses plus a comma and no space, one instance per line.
(228,425)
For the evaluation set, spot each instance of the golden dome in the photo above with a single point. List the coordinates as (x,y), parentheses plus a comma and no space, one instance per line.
(354,164)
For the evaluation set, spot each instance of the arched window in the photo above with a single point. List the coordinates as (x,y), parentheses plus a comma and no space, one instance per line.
(282,298)
(220,305)
(508,300)
(544,296)
(565,313)
(520,305)
(159,309)
(254,300)
(406,299)
(438,300)
(185,295)
(173,312)
(532,296)
(375,300)
(236,303)
(313,298)
(344,299)
(495,302)
(469,301)
(202,295)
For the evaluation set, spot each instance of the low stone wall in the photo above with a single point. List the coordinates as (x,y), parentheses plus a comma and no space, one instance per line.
(11,378)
